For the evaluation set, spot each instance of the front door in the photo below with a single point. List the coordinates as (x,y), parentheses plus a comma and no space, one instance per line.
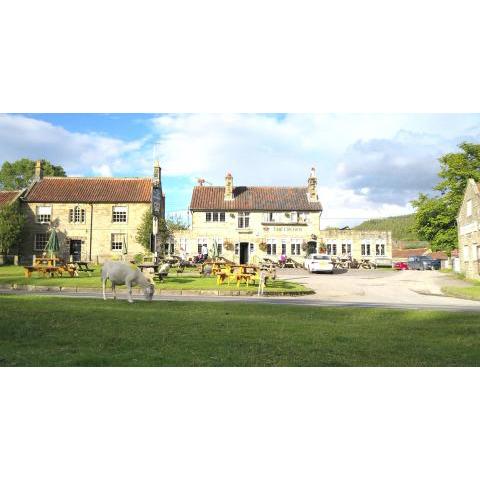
(243,253)
(312,247)
(76,250)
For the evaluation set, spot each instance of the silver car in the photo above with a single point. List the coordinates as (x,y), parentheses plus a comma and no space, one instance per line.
(318,262)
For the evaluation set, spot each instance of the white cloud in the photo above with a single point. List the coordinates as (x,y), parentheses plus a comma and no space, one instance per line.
(81,153)
(384,160)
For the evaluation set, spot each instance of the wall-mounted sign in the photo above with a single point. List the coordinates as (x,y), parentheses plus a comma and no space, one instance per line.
(156,201)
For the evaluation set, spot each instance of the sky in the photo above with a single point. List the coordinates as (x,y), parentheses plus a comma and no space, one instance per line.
(368,165)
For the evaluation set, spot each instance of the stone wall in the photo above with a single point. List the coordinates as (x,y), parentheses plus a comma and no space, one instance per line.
(95,233)
(281,232)
(469,232)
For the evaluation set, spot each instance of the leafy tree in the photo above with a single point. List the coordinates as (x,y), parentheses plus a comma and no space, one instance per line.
(12,222)
(176,222)
(145,231)
(436,216)
(18,174)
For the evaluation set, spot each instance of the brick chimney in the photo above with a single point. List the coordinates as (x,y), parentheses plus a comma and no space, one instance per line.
(312,186)
(228,187)
(38,170)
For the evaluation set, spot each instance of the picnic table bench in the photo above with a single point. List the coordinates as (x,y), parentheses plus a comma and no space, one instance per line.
(84,267)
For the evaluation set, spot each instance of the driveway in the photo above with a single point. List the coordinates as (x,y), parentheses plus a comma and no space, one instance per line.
(382,286)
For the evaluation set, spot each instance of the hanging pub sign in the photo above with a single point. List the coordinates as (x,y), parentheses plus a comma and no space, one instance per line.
(156,201)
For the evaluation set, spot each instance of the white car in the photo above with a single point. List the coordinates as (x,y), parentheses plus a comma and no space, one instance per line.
(318,262)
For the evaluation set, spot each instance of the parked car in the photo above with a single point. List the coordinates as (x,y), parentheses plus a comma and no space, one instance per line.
(420,263)
(400,266)
(317,262)
(436,264)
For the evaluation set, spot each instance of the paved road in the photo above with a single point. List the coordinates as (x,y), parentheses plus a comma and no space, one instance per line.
(310,300)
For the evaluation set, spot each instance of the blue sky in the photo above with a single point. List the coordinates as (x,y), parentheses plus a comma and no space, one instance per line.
(368,165)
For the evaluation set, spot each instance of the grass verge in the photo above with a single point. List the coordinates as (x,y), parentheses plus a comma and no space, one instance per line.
(48,331)
(187,281)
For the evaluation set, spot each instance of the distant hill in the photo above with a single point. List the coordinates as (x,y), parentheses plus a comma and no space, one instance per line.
(401,227)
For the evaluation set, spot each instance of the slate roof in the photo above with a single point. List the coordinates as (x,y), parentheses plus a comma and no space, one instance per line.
(7,196)
(254,199)
(82,189)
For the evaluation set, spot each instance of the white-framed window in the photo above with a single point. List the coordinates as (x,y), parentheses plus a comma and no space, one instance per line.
(295,246)
(119,214)
(271,246)
(118,242)
(272,217)
(331,247)
(244,220)
(346,248)
(214,216)
(219,245)
(237,249)
(284,246)
(466,253)
(41,240)
(302,217)
(201,242)
(44,214)
(182,241)
(469,208)
(294,217)
(169,247)
(76,215)
(366,248)
(379,249)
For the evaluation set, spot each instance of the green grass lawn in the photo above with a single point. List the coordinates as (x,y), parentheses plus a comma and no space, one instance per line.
(53,331)
(470,292)
(190,280)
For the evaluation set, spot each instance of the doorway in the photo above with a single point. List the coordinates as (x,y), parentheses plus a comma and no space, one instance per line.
(76,250)
(311,247)
(243,253)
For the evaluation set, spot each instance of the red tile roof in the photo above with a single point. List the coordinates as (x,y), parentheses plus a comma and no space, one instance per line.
(82,189)
(408,252)
(6,196)
(254,198)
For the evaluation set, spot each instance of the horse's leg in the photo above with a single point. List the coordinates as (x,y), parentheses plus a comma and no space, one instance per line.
(113,291)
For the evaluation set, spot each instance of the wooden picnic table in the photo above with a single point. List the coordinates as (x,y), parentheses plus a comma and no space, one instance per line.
(50,270)
(83,267)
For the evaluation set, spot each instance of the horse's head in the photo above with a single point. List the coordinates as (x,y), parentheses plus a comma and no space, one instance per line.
(149,287)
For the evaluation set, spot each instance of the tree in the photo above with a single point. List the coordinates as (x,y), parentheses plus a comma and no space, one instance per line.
(436,216)
(176,222)
(145,231)
(12,222)
(18,174)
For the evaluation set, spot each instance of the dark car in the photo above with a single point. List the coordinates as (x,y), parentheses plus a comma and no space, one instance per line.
(436,264)
(420,263)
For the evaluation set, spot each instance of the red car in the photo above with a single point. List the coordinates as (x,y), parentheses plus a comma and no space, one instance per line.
(400,266)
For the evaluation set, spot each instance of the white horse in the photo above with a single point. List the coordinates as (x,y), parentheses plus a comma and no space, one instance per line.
(121,273)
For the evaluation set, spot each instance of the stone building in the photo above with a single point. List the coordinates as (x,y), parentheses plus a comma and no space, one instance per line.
(468,221)
(248,224)
(95,218)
